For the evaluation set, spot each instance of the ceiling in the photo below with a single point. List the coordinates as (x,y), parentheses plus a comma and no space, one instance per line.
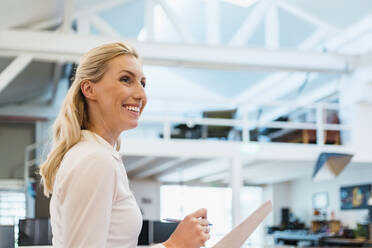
(217,171)
(213,89)
(128,19)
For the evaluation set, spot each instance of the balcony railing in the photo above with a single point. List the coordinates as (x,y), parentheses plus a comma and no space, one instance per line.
(318,127)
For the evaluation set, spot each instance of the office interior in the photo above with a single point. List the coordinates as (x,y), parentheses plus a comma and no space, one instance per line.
(248,101)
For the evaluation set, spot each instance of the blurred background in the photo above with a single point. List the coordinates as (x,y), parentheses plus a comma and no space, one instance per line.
(248,101)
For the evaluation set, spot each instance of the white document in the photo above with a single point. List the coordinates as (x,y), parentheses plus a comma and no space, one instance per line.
(237,236)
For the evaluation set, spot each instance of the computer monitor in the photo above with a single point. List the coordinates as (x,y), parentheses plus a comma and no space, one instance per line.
(162,231)
(34,232)
(144,238)
(6,236)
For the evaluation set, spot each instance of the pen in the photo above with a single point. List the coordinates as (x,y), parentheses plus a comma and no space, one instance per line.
(177,221)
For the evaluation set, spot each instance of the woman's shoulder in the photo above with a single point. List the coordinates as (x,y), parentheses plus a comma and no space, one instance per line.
(89,147)
(87,153)
(85,161)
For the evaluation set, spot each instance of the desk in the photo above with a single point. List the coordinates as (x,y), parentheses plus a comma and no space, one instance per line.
(293,237)
(346,242)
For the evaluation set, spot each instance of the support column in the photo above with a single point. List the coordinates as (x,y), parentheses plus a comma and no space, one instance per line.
(236,185)
(356,111)
(149,19)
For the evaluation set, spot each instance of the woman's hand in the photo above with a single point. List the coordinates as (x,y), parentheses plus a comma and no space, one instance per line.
(192,232)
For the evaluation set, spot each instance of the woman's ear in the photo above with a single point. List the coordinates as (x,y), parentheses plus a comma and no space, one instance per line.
(88,90)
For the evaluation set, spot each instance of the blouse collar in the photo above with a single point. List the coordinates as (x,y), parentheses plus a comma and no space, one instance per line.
(91,136)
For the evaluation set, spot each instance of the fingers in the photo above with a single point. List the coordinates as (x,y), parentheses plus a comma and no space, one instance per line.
(193,231)
(207,236)
(203,222)
(200,225)
(200,213)
(206,229)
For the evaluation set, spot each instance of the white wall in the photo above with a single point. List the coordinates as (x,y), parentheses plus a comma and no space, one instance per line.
(267,194)
(14,137)
(302,190)
(147,194)
(281,199)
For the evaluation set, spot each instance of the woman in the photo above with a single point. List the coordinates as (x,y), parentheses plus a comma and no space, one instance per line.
(91,204)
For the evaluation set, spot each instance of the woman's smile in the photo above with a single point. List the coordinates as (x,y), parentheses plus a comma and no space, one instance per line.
(132,109)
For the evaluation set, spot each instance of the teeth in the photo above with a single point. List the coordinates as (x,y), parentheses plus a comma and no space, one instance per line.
(131,108)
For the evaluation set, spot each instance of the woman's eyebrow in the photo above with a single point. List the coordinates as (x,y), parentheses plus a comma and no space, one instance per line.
(131,73)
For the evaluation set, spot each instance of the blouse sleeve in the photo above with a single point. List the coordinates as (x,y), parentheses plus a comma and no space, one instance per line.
(158,246)
(88,202)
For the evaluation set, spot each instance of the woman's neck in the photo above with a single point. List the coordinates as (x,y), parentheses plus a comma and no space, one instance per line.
(100,126)
(106,134)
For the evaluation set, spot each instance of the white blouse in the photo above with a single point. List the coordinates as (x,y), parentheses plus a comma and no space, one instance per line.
(91,204)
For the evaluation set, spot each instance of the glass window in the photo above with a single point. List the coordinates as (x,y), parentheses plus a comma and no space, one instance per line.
(12,208)
(177,201)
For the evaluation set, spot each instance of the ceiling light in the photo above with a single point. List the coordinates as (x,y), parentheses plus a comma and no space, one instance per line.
(242,3)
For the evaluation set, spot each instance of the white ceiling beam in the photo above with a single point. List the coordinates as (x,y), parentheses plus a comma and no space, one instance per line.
(259,87)
(284,87)
(67,16)
(46,24)
(271,80)
(13,70)
(279,89)
(335,43)
(224,175)
(306,16)
(140,163)
(272,27)
(280,172)
(212,20)
(215,177)
(311,97)
(250,24)
(159,168)
(179,27)
(142,35)
(102,26)
(50,46)
(199,170)
(360,45)
(149,19)
(175,148)
(348,35)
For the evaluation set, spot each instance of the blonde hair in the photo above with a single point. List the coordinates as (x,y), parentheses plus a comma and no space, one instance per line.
(73,116)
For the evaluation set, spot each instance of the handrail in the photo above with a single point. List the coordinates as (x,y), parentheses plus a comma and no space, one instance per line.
(245,125)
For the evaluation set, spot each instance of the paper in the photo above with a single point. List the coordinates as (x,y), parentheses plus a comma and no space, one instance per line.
(237,236)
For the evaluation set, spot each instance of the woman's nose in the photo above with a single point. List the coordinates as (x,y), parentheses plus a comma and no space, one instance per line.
(139,91)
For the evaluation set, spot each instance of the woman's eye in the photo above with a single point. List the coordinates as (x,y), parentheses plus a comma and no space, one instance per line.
(143,84)
(125,79)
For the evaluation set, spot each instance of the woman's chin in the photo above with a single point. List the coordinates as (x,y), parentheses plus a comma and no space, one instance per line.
(130,125)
